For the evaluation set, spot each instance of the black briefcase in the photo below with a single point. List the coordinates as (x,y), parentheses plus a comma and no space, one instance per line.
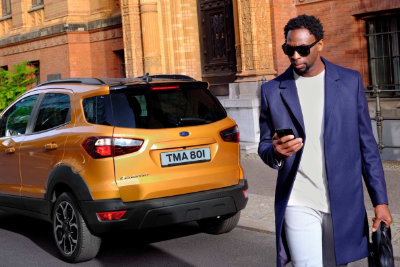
(381,250)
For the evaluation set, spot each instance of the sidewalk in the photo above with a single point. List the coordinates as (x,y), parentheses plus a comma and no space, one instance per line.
(259,213)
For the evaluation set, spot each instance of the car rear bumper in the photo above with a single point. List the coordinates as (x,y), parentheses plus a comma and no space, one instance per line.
(165,211)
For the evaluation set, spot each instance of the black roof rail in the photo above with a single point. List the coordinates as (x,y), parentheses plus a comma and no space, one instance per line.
(148,78)
(89,81)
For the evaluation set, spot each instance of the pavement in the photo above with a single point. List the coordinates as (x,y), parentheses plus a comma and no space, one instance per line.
(259,212)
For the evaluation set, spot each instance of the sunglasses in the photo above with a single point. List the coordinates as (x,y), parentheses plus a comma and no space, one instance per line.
(303,50)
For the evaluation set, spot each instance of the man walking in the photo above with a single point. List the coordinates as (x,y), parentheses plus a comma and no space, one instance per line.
(319,204)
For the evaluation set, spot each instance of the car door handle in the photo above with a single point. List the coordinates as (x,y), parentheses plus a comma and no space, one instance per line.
(51,146)
(10,150)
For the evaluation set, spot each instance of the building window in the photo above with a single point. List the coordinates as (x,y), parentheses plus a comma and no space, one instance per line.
(37,2)
(383,35)
(36,64)
(121,62)
(6,7)
(5,67)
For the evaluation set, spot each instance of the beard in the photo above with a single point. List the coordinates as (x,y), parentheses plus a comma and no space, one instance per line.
(302,70)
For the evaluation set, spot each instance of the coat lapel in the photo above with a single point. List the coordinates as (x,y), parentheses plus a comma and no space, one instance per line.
(291,98)
(331,90)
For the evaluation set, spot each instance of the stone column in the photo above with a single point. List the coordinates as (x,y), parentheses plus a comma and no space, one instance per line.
(131,26)
(254,45)
(151,36)
(255,59)
(180,46)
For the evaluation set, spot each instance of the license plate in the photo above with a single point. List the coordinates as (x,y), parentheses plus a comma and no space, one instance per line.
(187,156)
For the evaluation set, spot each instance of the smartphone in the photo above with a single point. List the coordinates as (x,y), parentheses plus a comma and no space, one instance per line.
(284,131)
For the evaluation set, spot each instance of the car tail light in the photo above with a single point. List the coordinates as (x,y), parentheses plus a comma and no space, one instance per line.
(103,147)
(165,87)
(231,134)
(110,215)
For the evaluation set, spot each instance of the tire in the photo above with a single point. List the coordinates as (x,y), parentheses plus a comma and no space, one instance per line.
(73,239)
(219,225)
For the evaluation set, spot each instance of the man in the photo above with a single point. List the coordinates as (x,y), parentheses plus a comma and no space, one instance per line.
(319,205)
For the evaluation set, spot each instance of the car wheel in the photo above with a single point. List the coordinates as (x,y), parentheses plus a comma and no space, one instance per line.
(73,238)
(219,225)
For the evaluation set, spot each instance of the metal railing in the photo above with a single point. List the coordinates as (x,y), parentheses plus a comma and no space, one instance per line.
(378,115)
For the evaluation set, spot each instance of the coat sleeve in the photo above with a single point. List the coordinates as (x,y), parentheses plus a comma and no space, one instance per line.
(371,161)
(265,147)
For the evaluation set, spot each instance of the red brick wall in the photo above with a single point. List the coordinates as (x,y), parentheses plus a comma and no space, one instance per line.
(106,63)
(80,59)
(75,54)
(92,54)
(345,43)
(52,59)
(54,9)
(282,11)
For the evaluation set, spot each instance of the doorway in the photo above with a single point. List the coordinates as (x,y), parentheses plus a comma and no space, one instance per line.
(217,44)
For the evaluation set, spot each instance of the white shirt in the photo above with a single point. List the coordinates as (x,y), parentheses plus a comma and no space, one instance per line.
(310,187)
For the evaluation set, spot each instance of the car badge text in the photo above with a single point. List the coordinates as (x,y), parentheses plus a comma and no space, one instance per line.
(134,176)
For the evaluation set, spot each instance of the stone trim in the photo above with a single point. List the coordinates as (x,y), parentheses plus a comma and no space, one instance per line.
(34,8)
(304,2)
(61,28)
(34,45)
(103,23)
(106,35)
(57,40)
(6,17)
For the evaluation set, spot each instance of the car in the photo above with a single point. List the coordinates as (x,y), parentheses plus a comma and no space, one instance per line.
(93,156)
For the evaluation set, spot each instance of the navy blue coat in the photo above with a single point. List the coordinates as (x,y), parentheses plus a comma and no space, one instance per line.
(351,153)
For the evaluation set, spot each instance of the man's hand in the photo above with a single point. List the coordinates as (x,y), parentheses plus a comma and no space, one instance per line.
(382,213)
(286,146)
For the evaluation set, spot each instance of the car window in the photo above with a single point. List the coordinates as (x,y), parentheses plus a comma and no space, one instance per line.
(97,110)
(155,109)
(54,111)
(15,119)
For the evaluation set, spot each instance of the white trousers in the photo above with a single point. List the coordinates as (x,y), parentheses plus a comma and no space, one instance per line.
(309,235)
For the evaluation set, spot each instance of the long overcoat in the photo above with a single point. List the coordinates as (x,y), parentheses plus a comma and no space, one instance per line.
(350,151)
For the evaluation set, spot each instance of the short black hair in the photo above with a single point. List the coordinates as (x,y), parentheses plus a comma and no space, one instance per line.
(310,23)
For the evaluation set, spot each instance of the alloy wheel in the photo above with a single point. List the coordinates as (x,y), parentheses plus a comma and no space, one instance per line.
(66,228)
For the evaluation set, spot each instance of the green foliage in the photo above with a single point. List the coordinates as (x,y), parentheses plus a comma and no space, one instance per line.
(15,82)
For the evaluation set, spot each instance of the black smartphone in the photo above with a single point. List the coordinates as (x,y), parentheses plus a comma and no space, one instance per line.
(284,131)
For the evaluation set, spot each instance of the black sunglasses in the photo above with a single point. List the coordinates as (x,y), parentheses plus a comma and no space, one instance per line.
(303,50)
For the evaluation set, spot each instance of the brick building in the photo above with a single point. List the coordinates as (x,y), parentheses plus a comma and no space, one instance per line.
(360,34)
(232,44)
(63,38)
(219,41)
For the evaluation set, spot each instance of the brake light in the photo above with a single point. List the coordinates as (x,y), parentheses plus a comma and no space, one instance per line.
(110,215)
(165,87)
(103,147)
(231,134)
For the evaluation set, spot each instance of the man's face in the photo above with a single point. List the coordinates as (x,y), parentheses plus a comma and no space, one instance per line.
(304,65)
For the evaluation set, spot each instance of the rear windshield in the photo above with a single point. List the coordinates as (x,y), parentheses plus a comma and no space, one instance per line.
(155,109)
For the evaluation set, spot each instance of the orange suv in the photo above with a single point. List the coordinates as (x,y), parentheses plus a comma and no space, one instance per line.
(93,156)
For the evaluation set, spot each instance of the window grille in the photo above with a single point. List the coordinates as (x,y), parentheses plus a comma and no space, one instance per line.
(37,2)
(6,7)
(383,35)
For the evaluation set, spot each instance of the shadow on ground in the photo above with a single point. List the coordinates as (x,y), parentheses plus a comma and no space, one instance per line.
(132,248)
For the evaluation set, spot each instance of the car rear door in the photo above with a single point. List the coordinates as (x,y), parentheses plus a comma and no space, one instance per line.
(182,150)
